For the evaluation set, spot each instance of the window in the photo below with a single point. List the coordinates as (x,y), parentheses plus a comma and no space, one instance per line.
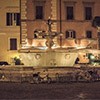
(12,19)
(70,34)
(88,34)
(88,13)
(69,9)
(35,36)
(39,9)
(13,44)
(69,12)
(88,10)
(39,12)
(39,34)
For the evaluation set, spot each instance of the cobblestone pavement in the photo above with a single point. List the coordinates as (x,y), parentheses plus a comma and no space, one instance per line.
(53,91)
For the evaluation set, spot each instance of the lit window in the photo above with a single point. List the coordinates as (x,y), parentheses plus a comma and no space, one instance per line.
(70,34)
(12,19)
(89,34)
(13,44)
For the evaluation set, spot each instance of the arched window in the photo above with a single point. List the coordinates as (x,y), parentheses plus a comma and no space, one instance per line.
(39,33)
(70,34)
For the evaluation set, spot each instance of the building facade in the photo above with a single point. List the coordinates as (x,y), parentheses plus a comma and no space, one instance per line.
(21,19)
(9,29)
(71,17)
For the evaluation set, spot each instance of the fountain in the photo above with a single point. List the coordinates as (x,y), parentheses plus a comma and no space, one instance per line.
(50,57)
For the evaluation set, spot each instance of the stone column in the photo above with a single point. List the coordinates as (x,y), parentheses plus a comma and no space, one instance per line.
(23,22)
(54,14)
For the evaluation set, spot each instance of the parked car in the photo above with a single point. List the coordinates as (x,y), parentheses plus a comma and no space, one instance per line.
(3,63)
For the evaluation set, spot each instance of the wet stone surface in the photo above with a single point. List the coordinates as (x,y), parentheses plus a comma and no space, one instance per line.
(53,91)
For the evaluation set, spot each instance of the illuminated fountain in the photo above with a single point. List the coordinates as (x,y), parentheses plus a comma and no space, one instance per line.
(57,56)
(50,57)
